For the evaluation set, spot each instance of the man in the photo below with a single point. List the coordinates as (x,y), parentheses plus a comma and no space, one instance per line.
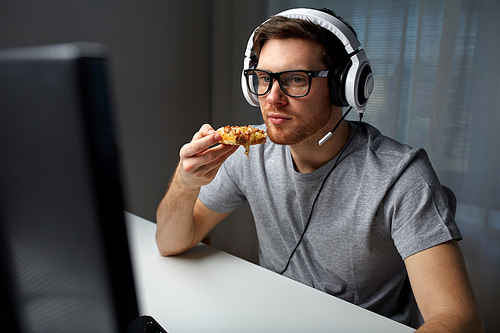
(360,216)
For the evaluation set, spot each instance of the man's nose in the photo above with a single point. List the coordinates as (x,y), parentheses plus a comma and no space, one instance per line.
(276,95)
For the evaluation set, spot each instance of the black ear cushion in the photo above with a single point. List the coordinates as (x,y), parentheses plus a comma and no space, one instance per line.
(335,92)
(337,84)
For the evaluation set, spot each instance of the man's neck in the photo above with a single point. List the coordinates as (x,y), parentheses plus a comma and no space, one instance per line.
(309,156)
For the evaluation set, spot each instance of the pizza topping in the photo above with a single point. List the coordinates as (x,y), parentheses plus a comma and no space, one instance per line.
(242,135)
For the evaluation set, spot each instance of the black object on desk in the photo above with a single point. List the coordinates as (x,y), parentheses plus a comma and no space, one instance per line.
(145,324)
(64,256)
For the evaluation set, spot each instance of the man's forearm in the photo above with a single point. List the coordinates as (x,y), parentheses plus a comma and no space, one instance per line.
(442,289)
(175,231)
(453,323)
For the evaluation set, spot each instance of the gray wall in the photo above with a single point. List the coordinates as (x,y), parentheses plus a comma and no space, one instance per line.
(233,23)
(174,66)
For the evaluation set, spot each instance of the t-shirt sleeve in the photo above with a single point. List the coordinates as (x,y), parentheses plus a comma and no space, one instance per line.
(222,195)
(418,208)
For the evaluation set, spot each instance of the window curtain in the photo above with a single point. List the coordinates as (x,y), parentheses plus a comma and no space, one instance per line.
(437,85)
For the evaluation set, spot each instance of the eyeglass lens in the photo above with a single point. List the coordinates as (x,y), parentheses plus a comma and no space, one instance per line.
(293,83)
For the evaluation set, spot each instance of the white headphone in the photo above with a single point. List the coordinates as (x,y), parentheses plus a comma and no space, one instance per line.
(354,80)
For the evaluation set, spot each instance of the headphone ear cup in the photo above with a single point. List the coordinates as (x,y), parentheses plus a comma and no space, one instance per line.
(337,85)
(251,98)
(250,61)
(359,81)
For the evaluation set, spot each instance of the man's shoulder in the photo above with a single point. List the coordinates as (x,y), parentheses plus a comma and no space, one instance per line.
(383,144)
(380,152)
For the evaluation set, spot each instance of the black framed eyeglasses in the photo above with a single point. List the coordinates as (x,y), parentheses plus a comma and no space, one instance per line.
(294,83)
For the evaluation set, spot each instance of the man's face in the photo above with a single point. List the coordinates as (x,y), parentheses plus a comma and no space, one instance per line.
(290,120)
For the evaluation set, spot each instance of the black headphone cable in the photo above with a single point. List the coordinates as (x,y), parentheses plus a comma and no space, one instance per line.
(323,184)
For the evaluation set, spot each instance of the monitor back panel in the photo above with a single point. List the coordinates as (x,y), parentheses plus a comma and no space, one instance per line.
(64,253)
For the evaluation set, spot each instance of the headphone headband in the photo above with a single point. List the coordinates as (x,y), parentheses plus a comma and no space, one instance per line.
(327,21)
(356,81)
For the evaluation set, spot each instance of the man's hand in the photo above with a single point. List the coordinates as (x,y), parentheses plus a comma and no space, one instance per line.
(199,160)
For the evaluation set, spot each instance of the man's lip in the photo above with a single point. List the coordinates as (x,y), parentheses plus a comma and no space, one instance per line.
(276,118)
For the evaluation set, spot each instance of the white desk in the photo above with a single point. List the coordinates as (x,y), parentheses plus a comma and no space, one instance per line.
(207,290)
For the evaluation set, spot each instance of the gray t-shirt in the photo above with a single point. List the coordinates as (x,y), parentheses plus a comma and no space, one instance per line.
(382,203)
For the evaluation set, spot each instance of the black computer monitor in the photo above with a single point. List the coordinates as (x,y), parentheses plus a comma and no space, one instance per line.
(64,256)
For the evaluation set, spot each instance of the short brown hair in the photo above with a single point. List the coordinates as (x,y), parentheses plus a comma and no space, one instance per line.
(280,27)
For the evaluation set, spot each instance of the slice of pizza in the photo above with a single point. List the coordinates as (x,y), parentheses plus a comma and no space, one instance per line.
(242,135)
